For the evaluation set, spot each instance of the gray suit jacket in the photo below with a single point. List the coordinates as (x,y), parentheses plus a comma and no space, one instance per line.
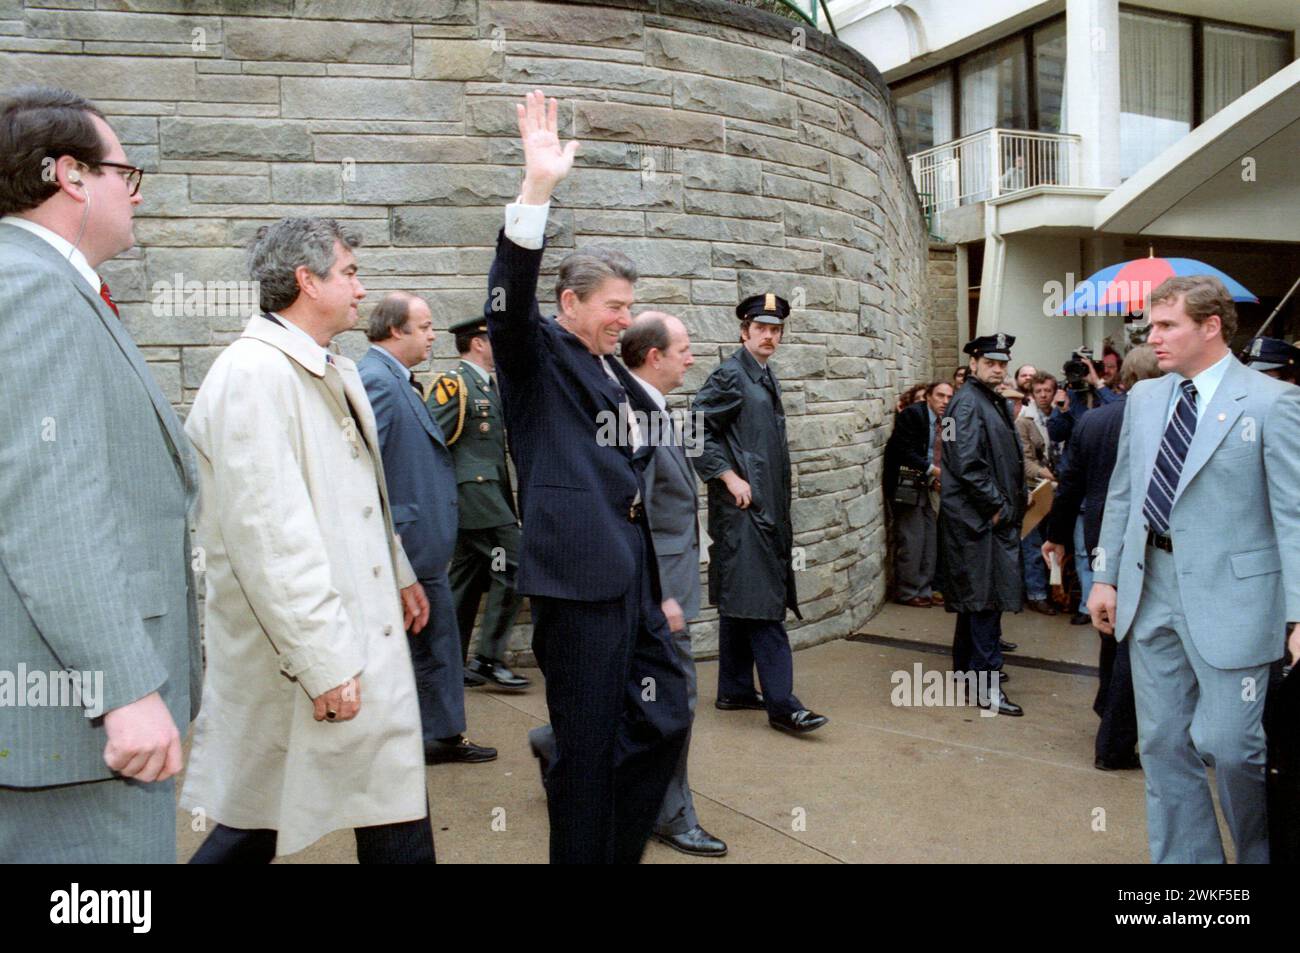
(96,481)
(671,502)
(1235,520)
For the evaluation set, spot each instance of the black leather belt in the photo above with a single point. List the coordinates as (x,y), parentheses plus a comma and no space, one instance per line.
(636,513)
(1160,541)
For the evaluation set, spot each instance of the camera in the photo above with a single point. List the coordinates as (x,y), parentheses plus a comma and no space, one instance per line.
(1076,369)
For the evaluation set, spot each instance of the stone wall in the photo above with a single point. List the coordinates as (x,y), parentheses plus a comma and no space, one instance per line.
(726,150)
(941,276)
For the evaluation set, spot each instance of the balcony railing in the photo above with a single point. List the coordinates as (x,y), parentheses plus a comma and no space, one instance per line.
(994,162)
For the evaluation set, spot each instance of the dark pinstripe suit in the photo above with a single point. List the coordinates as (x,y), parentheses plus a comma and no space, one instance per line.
(590,572)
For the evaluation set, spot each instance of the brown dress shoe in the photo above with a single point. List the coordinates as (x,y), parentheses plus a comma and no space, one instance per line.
(919,602)
(936,600)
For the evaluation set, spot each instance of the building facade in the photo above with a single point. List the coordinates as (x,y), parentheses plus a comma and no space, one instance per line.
(1048,140)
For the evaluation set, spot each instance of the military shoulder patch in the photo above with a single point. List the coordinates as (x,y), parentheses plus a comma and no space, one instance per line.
(445,389)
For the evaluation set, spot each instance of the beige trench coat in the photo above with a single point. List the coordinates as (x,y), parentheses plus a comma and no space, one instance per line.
(302,578)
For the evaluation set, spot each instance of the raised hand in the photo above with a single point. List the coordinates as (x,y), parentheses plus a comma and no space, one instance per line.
(546,162)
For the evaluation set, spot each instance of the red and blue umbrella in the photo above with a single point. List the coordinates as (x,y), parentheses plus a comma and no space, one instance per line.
(1122,288)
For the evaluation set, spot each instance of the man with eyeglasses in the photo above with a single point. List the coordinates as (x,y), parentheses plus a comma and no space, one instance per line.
(96,590)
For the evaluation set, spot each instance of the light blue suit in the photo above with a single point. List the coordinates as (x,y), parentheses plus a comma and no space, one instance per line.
(1206,620)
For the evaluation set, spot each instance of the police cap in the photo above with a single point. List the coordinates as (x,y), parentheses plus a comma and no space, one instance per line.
(1269,354)
(996,347)
(764,308)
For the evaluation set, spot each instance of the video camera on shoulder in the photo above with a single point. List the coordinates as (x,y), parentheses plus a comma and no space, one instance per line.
(1076,369)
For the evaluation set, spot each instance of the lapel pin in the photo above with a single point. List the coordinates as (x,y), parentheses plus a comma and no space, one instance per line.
(1222,417)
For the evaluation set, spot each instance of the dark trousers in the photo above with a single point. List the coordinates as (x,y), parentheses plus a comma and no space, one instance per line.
(976,643)
(408,842)
(916,549)
(744,644)
(617,703)
(1117,736)
(485,563)
(439,666)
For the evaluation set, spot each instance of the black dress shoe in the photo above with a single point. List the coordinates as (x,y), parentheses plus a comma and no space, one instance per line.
(473,680)
(1006,646)
(463,751)
(496,673)
(697,842)
(798,723)
(1081,618)
(1004,705)
(740,703)
(1043,606)
(1129,763)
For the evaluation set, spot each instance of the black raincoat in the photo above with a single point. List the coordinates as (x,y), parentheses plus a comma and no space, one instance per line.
(750,571)
(982,474)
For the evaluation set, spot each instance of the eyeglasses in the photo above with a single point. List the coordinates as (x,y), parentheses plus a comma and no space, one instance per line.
(132,174)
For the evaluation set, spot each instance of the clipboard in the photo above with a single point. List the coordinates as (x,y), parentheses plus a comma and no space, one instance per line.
(1040,504)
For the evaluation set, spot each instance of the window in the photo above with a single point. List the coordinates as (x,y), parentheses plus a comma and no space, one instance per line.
(1155,84)
(1049,76)
(924,110)
(995,88)
(1236,61)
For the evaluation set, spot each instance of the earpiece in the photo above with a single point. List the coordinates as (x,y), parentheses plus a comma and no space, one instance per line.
(74,176)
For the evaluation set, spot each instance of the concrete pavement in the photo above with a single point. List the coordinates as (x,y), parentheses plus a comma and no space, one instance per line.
(880,783)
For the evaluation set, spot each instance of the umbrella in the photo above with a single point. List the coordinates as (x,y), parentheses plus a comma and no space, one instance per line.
(1122,288)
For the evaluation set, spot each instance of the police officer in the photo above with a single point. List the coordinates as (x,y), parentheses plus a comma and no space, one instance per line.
(982,503)
(746,464)
(1275,358)
(467,406)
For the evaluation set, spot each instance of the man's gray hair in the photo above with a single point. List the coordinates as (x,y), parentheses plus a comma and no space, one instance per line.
(391,314)
(585,270)
(283,247)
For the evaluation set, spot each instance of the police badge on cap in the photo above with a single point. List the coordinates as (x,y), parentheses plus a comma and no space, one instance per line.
(996,347)
(766,308)
(1269,354)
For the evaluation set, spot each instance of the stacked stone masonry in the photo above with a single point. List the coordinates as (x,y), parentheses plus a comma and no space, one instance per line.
(728,151)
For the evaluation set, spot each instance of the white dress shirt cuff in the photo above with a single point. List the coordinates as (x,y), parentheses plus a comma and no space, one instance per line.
(526,224)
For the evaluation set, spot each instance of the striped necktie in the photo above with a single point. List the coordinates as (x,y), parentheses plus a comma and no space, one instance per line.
(1169,461)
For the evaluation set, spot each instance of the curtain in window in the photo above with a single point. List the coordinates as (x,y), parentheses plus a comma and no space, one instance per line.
(1237,61)
(924,110)
(1049,73)
(1155,77)
(994,89)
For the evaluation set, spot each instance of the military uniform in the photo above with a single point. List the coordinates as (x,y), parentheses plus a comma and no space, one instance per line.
(467,406)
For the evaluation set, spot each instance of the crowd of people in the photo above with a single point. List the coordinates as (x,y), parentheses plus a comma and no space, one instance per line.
(347,524)
(1173,474)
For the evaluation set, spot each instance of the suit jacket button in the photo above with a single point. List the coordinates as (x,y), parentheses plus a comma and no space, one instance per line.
(367,511)
(1139,565)
(376,570)
(388,630)
(478,479)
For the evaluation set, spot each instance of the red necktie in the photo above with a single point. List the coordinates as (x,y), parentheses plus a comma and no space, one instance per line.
(938,443)
(108,298)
